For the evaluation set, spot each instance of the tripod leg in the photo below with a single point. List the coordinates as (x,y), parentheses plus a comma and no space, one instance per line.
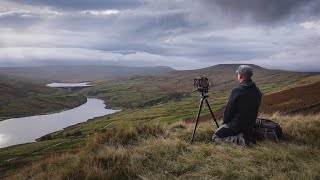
(197,120)
(214,118)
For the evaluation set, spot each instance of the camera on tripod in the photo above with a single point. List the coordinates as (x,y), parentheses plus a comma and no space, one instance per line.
(201,84)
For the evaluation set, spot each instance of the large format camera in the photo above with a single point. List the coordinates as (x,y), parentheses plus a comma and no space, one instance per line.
(201,84)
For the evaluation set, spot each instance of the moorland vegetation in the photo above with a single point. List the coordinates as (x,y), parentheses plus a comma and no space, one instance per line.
(149,138)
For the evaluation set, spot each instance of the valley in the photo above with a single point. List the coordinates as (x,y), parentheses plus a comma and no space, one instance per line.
(161,106)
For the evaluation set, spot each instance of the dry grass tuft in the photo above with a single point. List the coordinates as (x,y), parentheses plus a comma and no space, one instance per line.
(125,136)
(302,129)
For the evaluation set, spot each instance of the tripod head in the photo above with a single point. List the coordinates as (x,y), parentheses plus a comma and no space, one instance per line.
(203,95)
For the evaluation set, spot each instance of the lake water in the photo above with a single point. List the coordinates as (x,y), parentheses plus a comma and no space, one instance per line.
(56,85)
(27,129)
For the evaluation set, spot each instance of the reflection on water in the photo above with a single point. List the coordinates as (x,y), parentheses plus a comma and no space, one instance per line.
(27,129)
(3,138)
(84,84)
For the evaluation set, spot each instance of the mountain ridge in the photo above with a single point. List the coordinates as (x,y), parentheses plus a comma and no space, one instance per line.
(79,73)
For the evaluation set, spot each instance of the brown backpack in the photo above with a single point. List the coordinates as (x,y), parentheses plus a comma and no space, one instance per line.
(266,129)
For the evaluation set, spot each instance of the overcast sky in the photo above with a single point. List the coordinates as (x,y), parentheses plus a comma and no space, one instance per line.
(183,34)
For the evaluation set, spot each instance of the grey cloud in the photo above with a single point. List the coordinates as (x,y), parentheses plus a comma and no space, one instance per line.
(15,22)
(182,34)
(127,31)
(83,4)
(262,11)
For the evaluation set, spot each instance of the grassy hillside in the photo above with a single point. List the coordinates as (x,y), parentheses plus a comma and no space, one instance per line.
(146,133)
(153,151)
(20,98)
(48,74)
(145,91)
(295,99)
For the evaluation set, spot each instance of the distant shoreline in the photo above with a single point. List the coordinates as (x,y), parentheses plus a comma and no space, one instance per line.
(47,113)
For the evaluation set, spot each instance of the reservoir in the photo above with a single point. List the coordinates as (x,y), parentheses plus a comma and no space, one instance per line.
(57,85)
(27,129)
(70,86)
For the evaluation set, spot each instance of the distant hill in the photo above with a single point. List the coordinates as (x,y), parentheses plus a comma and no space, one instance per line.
(278,86)
(149,90)
(223,78)
(20,98)
(14,88)
(80,73)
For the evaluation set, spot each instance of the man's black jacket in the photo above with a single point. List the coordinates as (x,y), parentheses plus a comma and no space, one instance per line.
(242,108)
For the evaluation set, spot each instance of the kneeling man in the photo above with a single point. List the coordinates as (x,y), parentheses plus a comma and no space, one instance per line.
(241,111)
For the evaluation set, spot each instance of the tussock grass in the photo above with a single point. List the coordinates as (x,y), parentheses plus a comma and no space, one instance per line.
(154,151)
(301,129)
(125,136)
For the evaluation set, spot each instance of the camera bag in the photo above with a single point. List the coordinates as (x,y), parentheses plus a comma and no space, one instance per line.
(266,129)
